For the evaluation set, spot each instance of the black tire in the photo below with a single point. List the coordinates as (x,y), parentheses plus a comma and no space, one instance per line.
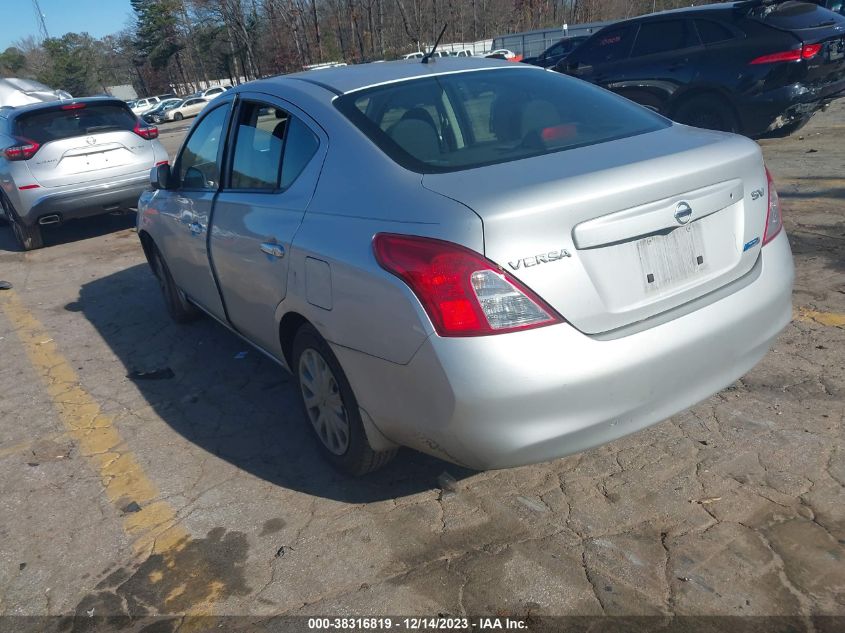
(358,458)
(178,307)
(707,111)
(178,116)
(29,238)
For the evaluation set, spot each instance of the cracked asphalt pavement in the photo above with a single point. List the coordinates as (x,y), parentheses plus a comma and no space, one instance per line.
(201,493)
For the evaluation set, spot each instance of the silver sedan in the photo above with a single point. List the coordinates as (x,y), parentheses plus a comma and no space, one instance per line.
(484,261)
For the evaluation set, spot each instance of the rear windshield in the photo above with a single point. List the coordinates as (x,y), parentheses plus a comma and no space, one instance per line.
(43,126)
(796,16)
(465,120)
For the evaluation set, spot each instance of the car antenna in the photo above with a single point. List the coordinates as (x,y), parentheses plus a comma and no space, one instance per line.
(428,55)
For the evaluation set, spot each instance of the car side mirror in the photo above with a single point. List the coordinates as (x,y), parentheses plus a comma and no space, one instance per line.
(160,177)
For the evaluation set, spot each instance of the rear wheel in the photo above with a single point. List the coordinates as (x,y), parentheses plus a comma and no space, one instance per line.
(707,111)
(330,406)
(178,307)
(28,237)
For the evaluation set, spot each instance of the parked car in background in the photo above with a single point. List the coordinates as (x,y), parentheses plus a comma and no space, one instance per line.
(556,52)
(215,91)
(72,159)
(503,53)
(140,106)
(485,261)
(17,92)
(186,109)
(156,115)
(749,67)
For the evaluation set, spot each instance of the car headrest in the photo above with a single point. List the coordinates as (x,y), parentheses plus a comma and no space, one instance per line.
(416,137)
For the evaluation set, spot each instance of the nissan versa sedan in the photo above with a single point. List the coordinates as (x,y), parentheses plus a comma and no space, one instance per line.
(484,261)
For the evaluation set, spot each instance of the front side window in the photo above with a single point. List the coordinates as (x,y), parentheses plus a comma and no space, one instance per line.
(466,120)
(664,36)
(197,165)
(606,46)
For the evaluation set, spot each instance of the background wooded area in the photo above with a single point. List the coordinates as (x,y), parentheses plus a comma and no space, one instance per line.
(185,42)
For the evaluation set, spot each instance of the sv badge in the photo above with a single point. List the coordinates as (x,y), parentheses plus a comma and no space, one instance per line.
(543,258)
(757,194)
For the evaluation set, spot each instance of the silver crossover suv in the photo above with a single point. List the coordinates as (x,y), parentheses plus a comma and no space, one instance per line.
(61,160)
(485,261)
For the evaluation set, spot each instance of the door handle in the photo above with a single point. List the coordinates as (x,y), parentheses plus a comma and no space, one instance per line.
(273,250)
(196,228)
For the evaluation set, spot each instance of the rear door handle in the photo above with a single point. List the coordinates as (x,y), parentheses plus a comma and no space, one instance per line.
(273,250)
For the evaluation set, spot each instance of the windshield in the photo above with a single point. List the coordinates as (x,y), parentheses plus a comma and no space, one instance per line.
(43,126)
(469,119)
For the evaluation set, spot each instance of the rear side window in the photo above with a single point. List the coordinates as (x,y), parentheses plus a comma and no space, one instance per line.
(663,37)
(43,126)
(300,147)
(796,16)
(607,46)
(712,32)
(271,148)
(465,120)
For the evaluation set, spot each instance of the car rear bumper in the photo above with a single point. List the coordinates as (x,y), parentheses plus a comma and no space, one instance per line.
(774,109)
(85,201)
(532,396)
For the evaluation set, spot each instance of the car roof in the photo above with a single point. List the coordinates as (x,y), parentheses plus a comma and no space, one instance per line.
(718,6)
(345,79)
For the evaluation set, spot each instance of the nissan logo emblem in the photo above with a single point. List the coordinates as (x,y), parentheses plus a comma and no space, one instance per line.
(91,140)
(683,213)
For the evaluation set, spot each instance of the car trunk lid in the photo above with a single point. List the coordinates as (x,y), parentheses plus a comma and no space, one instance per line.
(615,233)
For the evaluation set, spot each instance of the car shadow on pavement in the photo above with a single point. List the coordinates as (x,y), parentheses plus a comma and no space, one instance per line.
(243,408)
(72,231)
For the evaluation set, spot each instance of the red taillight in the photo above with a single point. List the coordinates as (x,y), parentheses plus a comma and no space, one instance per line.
(807,51)
(28,187)
(147,132)
(24,150)
(162,162)
(73,106)
(774,218)
(810,50)
(463,293)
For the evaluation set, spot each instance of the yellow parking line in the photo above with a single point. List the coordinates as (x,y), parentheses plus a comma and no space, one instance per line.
(831,319)
(154,527)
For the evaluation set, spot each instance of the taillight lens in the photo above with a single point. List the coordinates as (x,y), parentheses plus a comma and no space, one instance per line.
(148,132)
(23,150)
(807,51)
(463,293)
(774,219)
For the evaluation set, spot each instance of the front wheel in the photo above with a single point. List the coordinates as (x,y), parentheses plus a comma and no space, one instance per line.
(707,111)
(178,307)
(330,406)
(178,116)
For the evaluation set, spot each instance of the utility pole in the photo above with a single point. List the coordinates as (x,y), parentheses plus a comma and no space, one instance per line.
(42,25)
